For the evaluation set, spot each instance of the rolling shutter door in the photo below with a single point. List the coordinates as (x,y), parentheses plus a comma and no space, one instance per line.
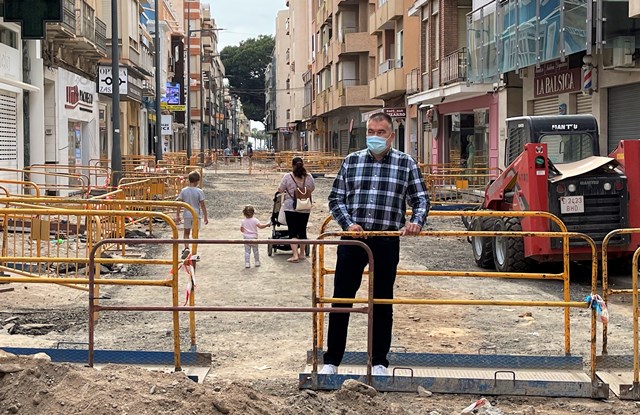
(584,104)
(9,136)
(546,106)
(344,142)
(624,113)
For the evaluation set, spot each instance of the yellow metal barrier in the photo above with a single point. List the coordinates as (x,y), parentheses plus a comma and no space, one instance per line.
(55,183)
(67,231)
(24,184)
(566,303)
(97,249)
(98,176)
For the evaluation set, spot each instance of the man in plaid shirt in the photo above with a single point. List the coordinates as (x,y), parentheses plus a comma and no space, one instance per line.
(370,193)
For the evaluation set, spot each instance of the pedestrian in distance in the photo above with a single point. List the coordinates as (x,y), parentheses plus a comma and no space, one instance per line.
(249,228)
(227,154)
(370,193)
(292,184)
(194,196)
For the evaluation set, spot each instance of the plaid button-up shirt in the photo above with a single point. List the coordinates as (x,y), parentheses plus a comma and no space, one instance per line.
(374,194)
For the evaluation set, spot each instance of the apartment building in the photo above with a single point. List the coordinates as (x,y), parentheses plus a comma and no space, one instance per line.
(395,33)
(282,56)
(342,63)
(451,113)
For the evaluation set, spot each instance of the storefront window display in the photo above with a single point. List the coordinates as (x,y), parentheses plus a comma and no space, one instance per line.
(468,141)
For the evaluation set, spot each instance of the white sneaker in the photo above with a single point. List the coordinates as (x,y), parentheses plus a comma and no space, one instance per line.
(247,265)
(257,263)
(329,369)
(379,370)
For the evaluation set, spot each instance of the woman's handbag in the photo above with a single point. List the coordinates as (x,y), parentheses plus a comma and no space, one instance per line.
(302,202)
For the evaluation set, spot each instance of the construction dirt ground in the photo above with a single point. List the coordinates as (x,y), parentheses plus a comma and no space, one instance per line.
(256,357)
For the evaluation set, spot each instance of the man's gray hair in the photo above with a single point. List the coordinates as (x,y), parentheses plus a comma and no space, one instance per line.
(381,116)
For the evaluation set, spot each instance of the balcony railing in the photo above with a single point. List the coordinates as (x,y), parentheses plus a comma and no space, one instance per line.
(413,81)
(346,83)
(426,84)
(86,26)
(454,67)
(385,66)
(344,30)
(306,111)
(101,35)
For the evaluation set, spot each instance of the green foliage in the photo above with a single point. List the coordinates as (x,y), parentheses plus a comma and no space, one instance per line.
(245,66)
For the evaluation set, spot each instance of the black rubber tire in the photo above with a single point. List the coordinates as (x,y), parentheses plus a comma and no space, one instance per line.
(269,249)
(482,246)
(508,252)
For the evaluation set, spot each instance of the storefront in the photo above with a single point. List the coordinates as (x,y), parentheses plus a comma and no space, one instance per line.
(467,132)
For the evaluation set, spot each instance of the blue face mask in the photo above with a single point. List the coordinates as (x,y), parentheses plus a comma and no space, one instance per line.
(376,145)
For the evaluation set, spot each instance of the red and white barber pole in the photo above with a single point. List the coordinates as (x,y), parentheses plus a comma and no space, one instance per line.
(589,76)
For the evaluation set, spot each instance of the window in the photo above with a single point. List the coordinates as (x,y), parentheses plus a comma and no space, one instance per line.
(399,49)
(8,37)
(567,148)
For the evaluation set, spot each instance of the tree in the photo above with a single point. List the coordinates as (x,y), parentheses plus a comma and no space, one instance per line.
(245,65)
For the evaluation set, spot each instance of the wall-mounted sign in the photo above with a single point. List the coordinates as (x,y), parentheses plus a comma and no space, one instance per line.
(106,81)
(172,96)
(166,126)
(553,78)
(79,98)
(395,112)
(167,107)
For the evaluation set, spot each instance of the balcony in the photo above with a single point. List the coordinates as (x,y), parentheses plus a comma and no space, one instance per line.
(352,93)
(323,101)
(323,12)
(306,112)
(353,41)
(385,14)
(67,28)
(146,59)
(413,81)
(454,67)
(390,82)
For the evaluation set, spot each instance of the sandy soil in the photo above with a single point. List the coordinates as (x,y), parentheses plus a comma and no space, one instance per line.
(257,356)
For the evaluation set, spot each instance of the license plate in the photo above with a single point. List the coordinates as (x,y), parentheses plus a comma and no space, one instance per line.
(571,204)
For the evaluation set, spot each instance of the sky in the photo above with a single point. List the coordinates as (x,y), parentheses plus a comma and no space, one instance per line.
(244,19)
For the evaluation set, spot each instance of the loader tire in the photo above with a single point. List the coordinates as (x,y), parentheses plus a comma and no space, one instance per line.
(508,252)
(482,246)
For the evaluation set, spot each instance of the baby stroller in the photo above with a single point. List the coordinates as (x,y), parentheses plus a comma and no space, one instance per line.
(280,233)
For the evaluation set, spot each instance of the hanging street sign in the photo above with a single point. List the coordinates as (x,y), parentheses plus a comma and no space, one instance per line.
(105,80)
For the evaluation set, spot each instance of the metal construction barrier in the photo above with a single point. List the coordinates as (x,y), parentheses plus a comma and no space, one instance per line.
(571,385)
(95,307)
(45,259)
(33,229)
(21,187)
(98,176)
(453,188)
(617,369)
(54,184)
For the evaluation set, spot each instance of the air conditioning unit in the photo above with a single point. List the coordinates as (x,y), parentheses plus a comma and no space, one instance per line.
(623,49)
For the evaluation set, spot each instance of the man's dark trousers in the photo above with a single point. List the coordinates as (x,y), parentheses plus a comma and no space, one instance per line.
(348,277)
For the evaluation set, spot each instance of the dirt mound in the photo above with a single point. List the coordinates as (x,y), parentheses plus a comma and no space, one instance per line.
(34,385)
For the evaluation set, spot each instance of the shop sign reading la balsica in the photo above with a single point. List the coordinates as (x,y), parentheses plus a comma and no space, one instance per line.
(553,78)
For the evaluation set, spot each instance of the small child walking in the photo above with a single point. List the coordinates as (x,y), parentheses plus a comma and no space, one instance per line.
(249,228)
(195,197)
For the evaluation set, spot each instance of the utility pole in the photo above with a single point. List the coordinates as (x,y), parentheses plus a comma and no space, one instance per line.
(116,151)
(201,100)
(158,136)
(188,84)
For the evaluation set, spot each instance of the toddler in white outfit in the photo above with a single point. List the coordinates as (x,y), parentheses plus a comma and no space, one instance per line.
(249,228)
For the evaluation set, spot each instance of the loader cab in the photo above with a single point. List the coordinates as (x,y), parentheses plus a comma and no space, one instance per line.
(569,138)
